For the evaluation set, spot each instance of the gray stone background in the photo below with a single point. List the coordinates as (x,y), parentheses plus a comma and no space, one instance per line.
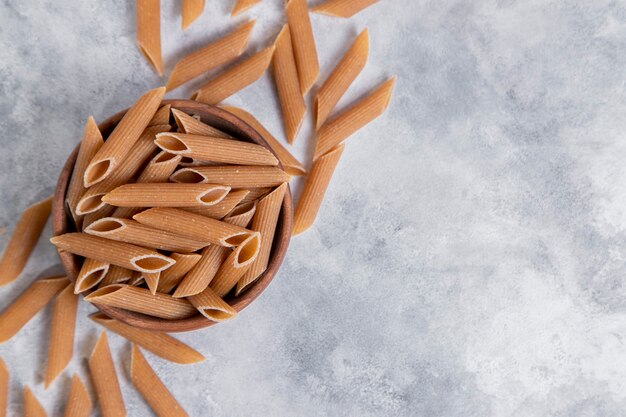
(469,258)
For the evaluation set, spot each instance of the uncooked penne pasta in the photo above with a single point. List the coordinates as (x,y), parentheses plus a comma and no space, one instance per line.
(287,85)
(166,195)
(172,276)
(342,8)
(63,322)
(116,253)
(27,304)
(104,379)
(193,126)
(290,164)
(237,263)
(151,388)
(23,240)
(211,306)
(133,232)
(162,116)
(341,78)
(234,79)
(152,281)
(32,406)
(102,212)
(90,144)
(335,131)
(191,9)
(137,281)
(4,388)
(206,148)
(264,221)
(254,194)
(222,208)
(161,344)
(149,32)
(140,300)
(243,5)
(314,189)
(303,43)
(116,275)
(235,176)
(117,146)
(91,274)
(210,56)
(78,402)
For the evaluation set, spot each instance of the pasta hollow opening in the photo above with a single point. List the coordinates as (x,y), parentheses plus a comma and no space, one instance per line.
(236,240)
(151,263)
(244,208)
(216,315)
(90,204)
(171,144)
(186,160)
(165,157)
(105,225)
(249,250)
(100,292)
(92,279)
(214,196)
(188,176)
(96,171)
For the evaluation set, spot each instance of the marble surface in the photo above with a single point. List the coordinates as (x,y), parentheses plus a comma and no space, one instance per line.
(469,258)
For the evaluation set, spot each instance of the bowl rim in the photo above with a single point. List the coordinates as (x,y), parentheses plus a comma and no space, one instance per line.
(222,120)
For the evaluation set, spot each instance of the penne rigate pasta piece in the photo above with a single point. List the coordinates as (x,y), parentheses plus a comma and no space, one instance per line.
(341,78)
(104,379)
(235,176)
(32,406)
(193,126)
(91,274)
(314,189)
(166,195)
(127,132)
(62,324)
(137,281)
(161,344)
(149,32)
(191,10)
(342,8)
(116,275)
(243,5)
(91,142)
(172,276)
(210,56)
(303,43)
(133,232)
(152,281)
(78,401)
(104,211)
(140,300)
(151,388)
(234,79)
(116,253)
(254,194)
(264,221)
(290,164)
(237,263)
(206,148)
(335,131)
(287,85)
(27,304)
(162,116)
(4,388)
(23,240)
(211,306)
(222,208)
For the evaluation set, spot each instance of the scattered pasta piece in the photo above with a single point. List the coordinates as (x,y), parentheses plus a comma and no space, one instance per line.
(78,401)
(191,10)
(32,406)
(193,126)
(4,388)
(242,6)
(211,306)
(149,32)
(105,381)
(303,43)
(91,274)
(235,176)
(171,277)
(342,8)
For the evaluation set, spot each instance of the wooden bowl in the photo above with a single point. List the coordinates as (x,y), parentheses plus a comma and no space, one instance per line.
(228,123)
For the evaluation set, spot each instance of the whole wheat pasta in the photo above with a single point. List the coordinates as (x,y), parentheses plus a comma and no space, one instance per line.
(151,388)
(133,232)
(114,151)
(104,379)
(4,388)
(235,176)
(243,5)
(137,281)
(104,211)
(191,10)
(166,195)
(140,300)
(27,304)
(90,144)
(254,194)
(211,306)
(32,406)
(303,43)
(117,274)
(172,276)
(234,79)
(23,240)
(341,78)
(237,263)
(78,401)
(264,221)
(287,85)
(193,126)
(152,281)
(61,347)
(222,208)
(314,189)
(91,274)
(162,116)
(149,32)
(161,344)
(210,56)
(206,148)
(116,253)
(291,165)
(335,131)
(342,8)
